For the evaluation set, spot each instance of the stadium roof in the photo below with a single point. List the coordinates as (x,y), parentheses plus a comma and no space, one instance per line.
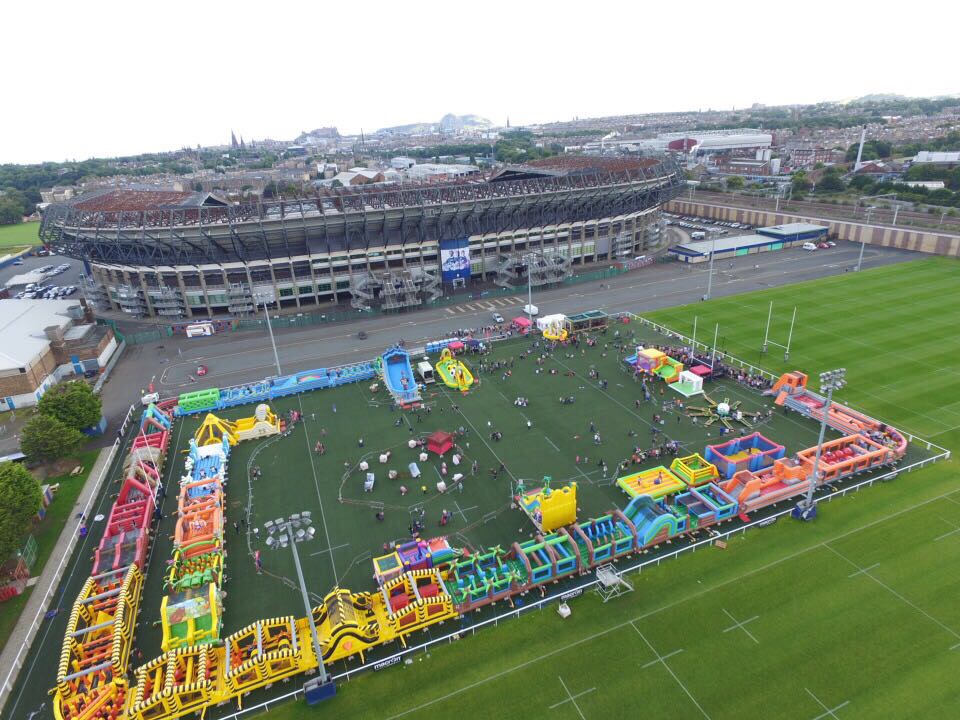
(566,165)
(125,200)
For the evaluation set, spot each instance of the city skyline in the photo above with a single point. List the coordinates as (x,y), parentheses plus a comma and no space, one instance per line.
(132,89)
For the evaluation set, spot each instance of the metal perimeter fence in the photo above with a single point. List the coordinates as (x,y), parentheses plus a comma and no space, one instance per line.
(580,589)
(824,494)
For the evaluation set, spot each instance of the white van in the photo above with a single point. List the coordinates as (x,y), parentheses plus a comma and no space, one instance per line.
(531,310)
(200,329)
(698,235)
(425,370)
(809,246)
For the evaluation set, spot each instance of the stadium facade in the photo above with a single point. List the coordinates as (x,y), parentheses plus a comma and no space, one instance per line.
(193,255)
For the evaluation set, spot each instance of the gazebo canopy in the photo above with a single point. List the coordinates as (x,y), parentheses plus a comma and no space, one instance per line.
(440,442)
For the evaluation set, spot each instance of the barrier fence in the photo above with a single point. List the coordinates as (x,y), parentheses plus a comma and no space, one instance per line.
(580,589)
(539,604)
(755,370)
(824,494)
(10,678)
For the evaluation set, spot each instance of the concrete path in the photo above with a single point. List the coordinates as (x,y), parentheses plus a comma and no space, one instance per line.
(15,650)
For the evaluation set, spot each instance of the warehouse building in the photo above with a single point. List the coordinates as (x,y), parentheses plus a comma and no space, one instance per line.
(765,239)
(45,342)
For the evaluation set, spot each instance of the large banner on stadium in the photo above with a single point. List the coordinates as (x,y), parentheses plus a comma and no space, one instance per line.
(455,260)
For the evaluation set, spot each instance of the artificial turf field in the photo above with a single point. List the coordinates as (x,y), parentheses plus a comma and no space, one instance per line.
(855,615)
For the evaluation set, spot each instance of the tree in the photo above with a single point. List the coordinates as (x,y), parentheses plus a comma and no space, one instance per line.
(72,403)
(735,182)
(46,438)
(800,183)
(19,501)
(11,212)
(830,183)
(198,186)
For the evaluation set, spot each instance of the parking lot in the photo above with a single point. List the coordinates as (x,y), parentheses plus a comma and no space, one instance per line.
(70,276)
(698,227)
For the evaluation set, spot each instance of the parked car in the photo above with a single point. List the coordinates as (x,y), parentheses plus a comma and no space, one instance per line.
(823,246)
(497,318)
(809,246)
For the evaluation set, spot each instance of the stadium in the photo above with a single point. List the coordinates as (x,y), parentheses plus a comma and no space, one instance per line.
(155,253)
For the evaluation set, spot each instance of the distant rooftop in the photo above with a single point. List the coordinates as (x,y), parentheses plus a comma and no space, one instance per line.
(926,156)
(791,229)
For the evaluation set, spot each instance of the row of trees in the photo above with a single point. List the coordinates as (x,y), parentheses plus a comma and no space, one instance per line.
(53,433)
(14,204)
(64,411)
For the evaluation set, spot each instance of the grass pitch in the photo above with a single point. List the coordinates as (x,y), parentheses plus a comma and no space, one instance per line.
(852,616)
(19,236)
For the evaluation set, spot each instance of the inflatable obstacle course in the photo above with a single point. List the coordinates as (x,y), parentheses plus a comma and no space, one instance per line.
(454,373)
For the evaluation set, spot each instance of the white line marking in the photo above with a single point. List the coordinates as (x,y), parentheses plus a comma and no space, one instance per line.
(668,606)
(661,658)
(738,625)
(316,484)
(571,698)
(956,529)
(551,443)
(463,510)
(663,661)
(893,592)
(830,712)
(451,311)
(325,550)
(865,570)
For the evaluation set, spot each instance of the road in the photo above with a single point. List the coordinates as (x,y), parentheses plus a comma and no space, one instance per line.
(244,357)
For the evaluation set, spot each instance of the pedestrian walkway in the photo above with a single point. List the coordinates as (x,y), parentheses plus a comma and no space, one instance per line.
(490,305)
(15,651)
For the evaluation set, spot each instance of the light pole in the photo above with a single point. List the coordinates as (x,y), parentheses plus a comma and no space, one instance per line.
(266,298)
(290,531)
(529,259)
(830,380)
(713,245)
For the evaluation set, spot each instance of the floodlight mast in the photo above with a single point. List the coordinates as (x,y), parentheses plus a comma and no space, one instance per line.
(286,527)
(265,298)
(529,259)
(829,381)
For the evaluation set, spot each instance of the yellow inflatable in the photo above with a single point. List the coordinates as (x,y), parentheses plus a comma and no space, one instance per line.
(454,373)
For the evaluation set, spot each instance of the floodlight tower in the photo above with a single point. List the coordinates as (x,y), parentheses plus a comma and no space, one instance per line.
(298,528)
(528,259)
(265,298)
(830,380)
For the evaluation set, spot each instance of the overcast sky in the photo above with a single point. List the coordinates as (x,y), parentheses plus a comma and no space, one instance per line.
(103,79)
